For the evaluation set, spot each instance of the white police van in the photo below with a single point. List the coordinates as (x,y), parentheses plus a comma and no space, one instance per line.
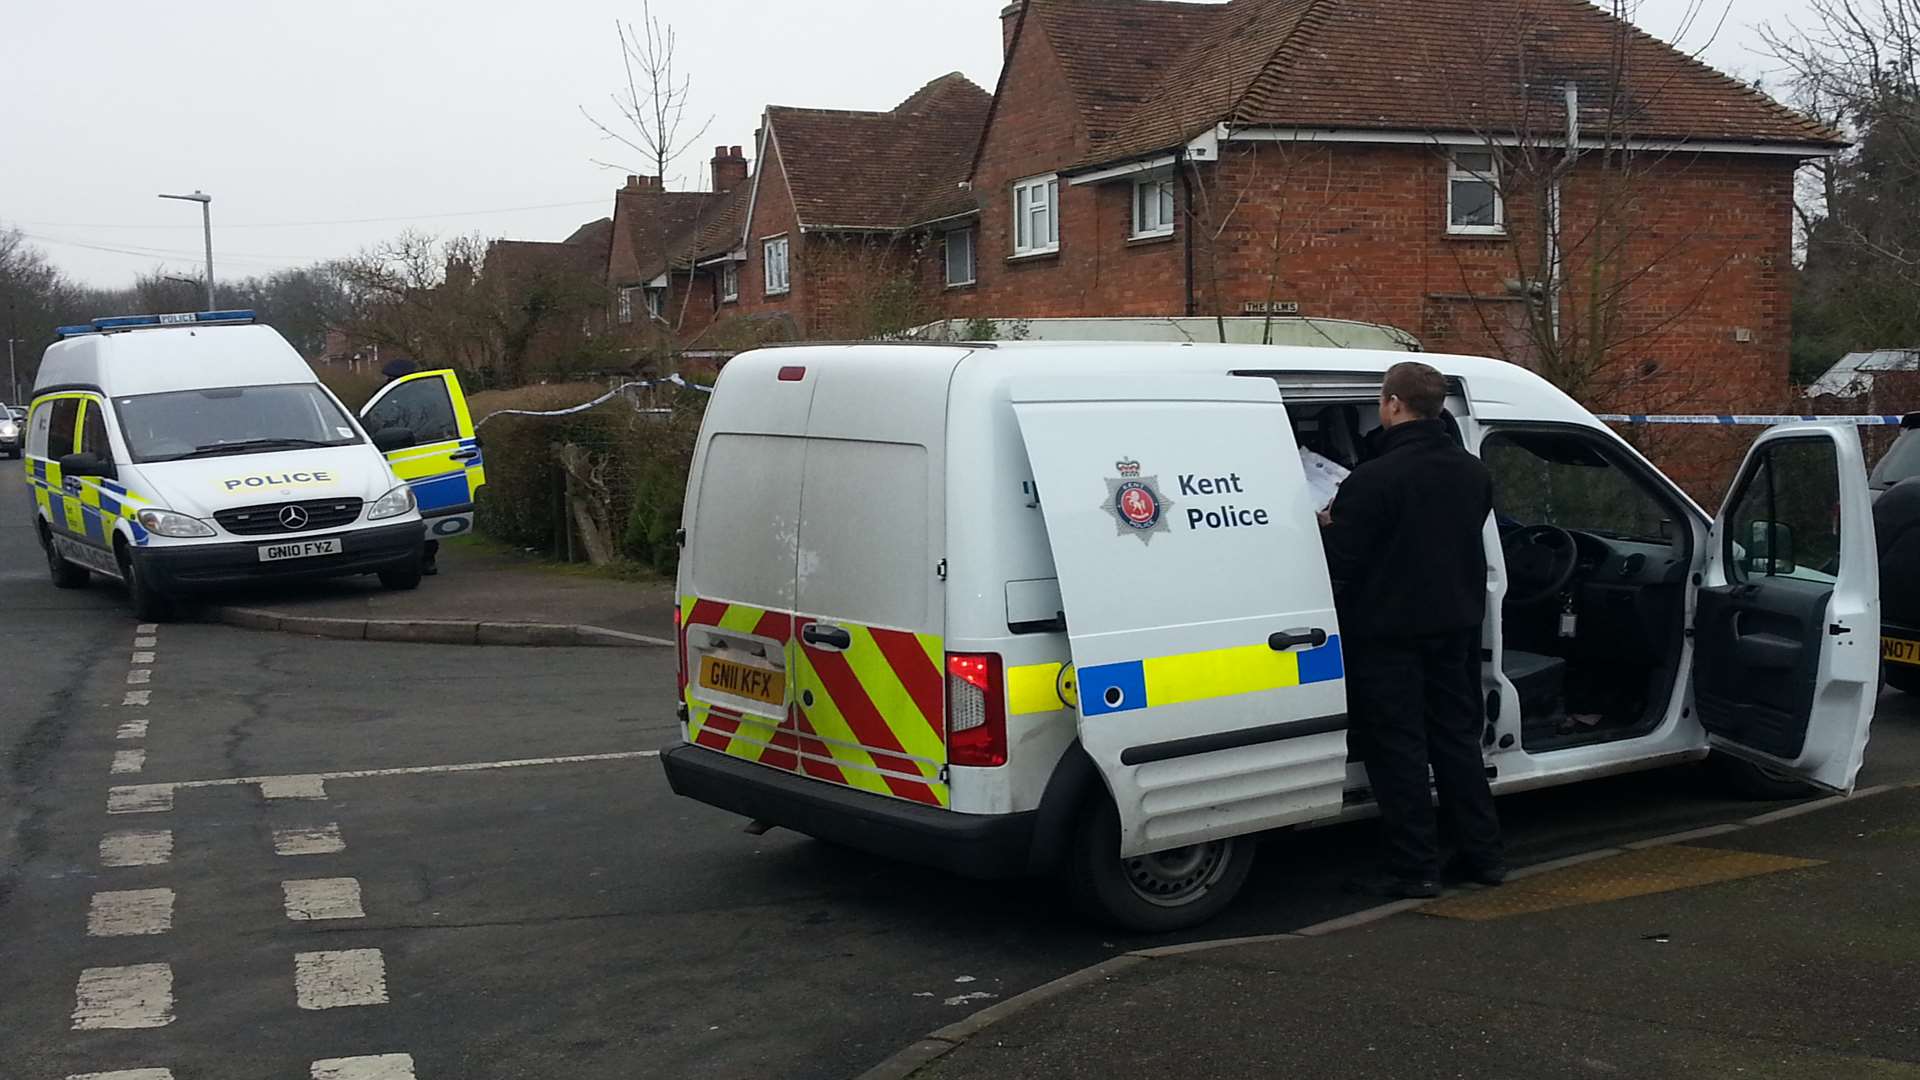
(179,452)
(1044,607)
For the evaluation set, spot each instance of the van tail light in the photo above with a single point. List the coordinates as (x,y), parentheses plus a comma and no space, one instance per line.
(976,710)
(680,650)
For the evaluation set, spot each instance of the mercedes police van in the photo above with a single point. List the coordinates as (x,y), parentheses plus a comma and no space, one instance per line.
(1043,607)
(177,452)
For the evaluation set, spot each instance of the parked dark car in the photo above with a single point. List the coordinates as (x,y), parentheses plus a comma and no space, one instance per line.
(1902,460)
(1896,524)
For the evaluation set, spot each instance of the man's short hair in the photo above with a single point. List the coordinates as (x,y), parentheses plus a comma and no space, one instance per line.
(1419,386)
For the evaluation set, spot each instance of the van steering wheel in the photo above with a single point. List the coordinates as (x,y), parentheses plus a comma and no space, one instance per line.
(1541,560)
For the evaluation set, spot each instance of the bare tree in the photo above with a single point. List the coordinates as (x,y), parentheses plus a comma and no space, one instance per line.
(652,104)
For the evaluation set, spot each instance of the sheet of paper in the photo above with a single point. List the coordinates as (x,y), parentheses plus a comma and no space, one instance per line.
(1324,476)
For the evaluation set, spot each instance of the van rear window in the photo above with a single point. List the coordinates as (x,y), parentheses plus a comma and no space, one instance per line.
(863,533)
(746,522)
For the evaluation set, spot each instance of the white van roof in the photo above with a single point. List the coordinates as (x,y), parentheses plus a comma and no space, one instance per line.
(155,361)
(1499,390)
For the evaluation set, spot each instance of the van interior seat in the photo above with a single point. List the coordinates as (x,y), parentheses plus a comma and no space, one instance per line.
(1541,682)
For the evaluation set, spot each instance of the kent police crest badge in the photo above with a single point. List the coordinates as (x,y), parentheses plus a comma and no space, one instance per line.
(1135,502)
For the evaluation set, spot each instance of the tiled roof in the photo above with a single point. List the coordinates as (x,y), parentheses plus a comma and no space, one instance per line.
(583,253)
(661,224)
(883,170)
(1149,74)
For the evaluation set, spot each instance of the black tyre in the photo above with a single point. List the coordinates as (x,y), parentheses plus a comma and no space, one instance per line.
(1903,677)
(65,575)
(1757,782)
(148,603)
(1169,890)
(401,580)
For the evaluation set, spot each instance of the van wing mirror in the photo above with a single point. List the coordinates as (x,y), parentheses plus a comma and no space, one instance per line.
(86,464)
(1769,548)
(387,440)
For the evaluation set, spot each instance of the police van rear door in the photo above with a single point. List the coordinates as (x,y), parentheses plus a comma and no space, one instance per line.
(443,463)
(1197,598)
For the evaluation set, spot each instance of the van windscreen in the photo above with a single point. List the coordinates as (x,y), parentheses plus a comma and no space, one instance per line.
(226,420)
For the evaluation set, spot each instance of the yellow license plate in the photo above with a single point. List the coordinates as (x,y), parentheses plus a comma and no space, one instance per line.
(1900,650)
(743,680)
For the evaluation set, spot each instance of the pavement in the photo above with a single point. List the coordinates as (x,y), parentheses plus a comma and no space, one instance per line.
(1787,949)
(483,595)
(228,855)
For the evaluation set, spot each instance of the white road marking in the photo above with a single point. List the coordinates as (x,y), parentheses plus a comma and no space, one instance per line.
(139,676)
(138,697)
(128,761)
(373,1067)
(147,628)
(140,799)
(130,913)
(136,847)
(323,898)
(143,658)
(293,787)
(135,996)
(294,781)
(125,1074)
(336,980)
(132,729)
(320,840)
(145,641)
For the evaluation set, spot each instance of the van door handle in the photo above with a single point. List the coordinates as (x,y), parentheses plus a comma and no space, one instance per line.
(1293,639)
(823,636)
(464,455)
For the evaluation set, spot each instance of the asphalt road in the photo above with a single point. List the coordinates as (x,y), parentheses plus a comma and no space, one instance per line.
(534,918)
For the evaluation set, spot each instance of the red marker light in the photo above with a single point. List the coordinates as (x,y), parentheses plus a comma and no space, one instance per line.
(792,374)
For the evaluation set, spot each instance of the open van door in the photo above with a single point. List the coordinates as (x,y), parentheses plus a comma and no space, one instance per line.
(442,459)
(1207,656)
(1787,619)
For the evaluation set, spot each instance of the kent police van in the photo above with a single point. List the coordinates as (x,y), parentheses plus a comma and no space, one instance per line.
(177,452)
(1040,607)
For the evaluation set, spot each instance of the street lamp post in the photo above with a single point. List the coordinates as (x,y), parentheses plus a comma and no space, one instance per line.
(206,220)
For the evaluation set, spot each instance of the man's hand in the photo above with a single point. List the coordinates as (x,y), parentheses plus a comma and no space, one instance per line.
(1326,517)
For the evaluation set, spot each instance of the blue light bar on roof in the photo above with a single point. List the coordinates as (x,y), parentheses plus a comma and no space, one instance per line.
(237,317)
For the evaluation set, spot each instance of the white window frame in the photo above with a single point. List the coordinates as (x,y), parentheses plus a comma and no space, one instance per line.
(1456,175)
(973,257)
(781,283)
(657,304)
(624,307)
(1036,215)
(1156,191)
(729,281)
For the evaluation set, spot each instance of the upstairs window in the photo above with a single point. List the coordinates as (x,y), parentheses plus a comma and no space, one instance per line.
(729,280)
(1036,215)
(776,266)
(1474,205)
(960,265)
(625,305)
(656,303)
(1153,208)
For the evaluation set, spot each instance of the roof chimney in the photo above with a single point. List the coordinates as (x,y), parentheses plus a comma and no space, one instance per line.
(1009,18)
(729,168)
(642,183)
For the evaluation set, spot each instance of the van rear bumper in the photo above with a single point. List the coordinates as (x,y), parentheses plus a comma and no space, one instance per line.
(187,567)
(973,845)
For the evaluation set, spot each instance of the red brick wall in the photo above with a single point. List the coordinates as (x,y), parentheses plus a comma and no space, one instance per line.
(773,214)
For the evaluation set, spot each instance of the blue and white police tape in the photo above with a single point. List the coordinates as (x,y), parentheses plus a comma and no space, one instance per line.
(638,384)
(1756,420)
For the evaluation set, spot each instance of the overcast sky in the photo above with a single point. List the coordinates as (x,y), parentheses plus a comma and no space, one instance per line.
(453,117)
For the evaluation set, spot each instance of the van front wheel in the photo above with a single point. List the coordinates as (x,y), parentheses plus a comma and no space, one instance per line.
(148,603)
(1157,893)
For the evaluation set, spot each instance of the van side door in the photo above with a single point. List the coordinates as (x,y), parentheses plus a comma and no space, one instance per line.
(443,463)
(1210,681)
(1787,618)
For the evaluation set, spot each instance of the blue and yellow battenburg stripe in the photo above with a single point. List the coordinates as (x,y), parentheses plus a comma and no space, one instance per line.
(1169,680)
(89,513)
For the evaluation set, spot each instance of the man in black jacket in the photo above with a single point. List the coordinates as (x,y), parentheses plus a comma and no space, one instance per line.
(1404,546)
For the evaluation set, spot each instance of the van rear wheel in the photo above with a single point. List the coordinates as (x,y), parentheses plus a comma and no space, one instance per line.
(1157,893)
(65,575)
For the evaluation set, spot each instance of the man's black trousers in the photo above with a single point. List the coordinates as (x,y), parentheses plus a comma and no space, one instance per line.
(1414,702)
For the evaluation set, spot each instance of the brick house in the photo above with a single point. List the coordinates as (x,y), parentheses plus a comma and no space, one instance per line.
(845,230)
(546,299)
(657,296)
(1146,157)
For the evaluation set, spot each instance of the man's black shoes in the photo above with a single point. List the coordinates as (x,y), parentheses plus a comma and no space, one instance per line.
(1393,886)
(1488,874)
